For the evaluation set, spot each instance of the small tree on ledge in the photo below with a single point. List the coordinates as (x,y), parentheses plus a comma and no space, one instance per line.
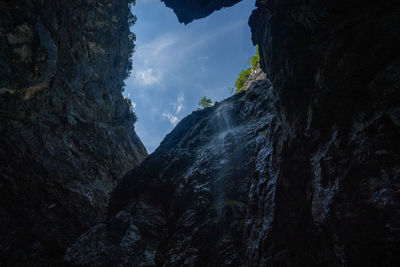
(205,102)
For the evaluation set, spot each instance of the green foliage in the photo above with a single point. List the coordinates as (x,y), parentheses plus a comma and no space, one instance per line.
(245,74)
(242,79)
(205,102)
(254,60)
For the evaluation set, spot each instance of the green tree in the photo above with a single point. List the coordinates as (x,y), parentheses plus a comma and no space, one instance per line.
(242,79)
(205,102)
(254,60)
(245,74)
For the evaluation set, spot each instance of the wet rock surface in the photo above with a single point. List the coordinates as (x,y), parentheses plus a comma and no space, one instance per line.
(67,132)
(186,204)
(335,69)
(300,171)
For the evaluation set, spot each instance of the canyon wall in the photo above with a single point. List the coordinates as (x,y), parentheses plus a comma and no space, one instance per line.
(67,132)
(186,204)
(335,69)
(301,169)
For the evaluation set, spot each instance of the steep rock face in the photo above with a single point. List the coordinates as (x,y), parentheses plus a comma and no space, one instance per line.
(67,132)
(300,171)
(186,204)
(256,74)
(303,172)
(189,10)
(335,69)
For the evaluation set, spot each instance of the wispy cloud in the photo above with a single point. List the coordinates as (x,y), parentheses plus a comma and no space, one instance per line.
(202,58)
(172,119)
(169,65)
(202,63)
(147,77)
(178,105)
(156,60)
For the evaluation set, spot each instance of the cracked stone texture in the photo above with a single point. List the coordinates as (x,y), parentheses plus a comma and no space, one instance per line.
(335,69)
(302,169)
(186,204)
(67,132)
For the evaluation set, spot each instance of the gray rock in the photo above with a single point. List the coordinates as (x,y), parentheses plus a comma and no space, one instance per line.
(189,10)
(67,132)
(186,204)
(300,171)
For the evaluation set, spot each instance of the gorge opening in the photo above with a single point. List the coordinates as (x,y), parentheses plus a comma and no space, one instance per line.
(175,65)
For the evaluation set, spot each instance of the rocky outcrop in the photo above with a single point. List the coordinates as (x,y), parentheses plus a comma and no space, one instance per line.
(256,74)
(186,204)
(300,171)
(335,70)
(189,10)
(67,132)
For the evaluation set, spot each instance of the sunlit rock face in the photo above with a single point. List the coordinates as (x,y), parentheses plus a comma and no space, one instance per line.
(300,171)
(67,133)
(189,10)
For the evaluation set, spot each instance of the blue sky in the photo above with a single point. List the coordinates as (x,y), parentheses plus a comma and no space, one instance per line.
(175,65)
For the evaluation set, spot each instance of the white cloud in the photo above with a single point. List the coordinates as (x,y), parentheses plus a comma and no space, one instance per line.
(151,62)
(203,39)
(161,57)
(202,63)
(202,58)
(147,77)
(178,105)
(172,119)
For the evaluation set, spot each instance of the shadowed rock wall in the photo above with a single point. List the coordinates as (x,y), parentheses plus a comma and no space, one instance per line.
(67,132)
(335,69)
(186,204)
(302,169)
(189,10)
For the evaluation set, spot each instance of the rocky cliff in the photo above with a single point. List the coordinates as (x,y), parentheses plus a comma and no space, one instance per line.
(67,132)
(335,69)
(187,202)
(189,10)
(302,169)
